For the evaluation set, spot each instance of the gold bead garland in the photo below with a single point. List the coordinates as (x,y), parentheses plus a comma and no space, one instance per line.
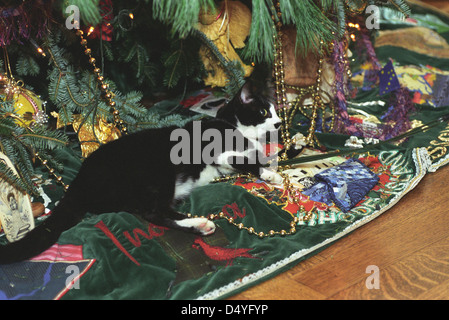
(291,230)
(107,94)
(52,171)
(288,187)
(279,75)
(317,104)
(287,109)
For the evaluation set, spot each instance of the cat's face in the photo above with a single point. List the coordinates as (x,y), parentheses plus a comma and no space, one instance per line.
(256,114)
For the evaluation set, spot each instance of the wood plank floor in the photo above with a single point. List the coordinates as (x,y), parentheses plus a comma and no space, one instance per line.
(409,244)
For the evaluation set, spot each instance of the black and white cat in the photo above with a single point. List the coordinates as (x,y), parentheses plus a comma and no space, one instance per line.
(137,173)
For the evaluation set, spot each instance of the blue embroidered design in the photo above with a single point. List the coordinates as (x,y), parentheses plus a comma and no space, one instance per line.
(345,184)
(388,80)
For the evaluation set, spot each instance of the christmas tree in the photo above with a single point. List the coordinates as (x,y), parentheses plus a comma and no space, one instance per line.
(95,68)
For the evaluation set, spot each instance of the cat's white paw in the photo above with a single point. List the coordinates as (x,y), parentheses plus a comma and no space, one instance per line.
(206,227)
(202,225)
(271,176)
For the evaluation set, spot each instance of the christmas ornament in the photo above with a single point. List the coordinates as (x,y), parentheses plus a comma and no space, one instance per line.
(227,28)
(16,214)
(27,105)
(88,135)
(102,131)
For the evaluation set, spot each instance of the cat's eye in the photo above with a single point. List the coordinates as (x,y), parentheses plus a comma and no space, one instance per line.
(264,112)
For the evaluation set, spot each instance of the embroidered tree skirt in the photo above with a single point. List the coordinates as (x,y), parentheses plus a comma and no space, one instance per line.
(118,256)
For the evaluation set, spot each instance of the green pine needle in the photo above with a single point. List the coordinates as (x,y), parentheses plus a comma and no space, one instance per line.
(182,15)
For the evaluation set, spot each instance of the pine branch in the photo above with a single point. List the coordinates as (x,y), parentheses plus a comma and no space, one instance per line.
(260,45)
(401,6)
(182,15)
(172,64)
(27,65)
(341,18)
(41,142)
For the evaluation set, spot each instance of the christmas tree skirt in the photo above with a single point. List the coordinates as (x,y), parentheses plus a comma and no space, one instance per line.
(118,256)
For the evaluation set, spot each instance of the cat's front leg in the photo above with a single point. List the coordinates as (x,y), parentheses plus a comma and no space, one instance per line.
(244,164)
(238,162)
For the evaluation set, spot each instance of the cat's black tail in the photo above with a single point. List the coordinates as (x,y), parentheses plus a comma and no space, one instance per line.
(43,236)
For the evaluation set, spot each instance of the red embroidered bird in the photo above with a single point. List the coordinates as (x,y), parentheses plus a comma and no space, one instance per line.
(222,254)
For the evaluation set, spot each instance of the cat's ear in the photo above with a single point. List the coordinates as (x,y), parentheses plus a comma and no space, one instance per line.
(246,95)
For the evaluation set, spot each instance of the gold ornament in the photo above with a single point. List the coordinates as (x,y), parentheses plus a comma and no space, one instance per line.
(91,136)
(227,27)
(27,105)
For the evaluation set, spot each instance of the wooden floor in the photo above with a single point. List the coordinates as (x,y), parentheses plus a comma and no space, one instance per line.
(409,244)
